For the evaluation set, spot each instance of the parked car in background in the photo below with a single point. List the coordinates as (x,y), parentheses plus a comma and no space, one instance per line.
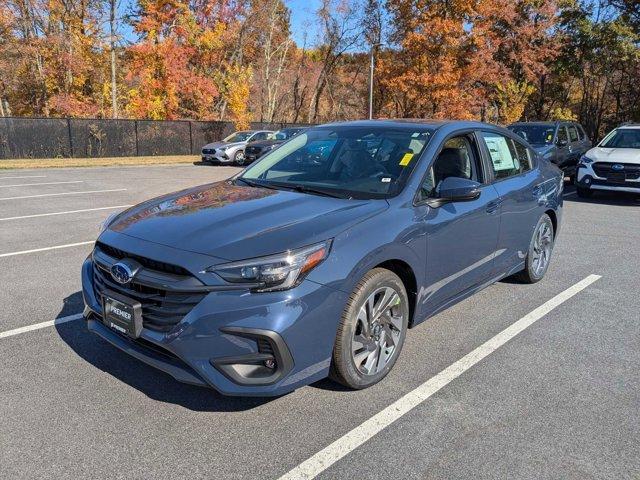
(257,149)
(317,259)
(231,149)
(614,164)
(562,143)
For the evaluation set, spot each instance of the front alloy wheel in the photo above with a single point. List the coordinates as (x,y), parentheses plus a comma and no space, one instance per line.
(372,330)
(238,158)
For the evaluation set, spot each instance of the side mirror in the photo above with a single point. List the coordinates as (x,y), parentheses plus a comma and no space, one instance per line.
(456,189)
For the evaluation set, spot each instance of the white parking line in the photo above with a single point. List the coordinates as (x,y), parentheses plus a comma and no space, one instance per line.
(35,250)
(64,213)
(24,176)
(38,326)
(36,184)
(64,193)
(359,435)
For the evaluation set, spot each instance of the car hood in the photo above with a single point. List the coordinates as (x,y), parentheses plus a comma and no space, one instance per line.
(235,222)
(543,149)
(223,144)
(621,155)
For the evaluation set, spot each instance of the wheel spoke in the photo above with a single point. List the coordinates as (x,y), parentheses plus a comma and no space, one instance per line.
(372,361)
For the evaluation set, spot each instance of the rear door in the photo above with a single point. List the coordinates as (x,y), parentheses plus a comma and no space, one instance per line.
(521,194)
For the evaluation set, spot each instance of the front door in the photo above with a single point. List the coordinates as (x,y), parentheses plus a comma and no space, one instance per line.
(461,236)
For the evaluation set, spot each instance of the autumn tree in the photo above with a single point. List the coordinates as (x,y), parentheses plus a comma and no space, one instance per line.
(166,79)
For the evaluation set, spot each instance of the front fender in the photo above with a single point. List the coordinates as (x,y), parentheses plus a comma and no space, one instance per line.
(374,241)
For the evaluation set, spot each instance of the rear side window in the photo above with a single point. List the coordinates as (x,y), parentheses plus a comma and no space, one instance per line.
(581,132)
(508,157)
(573,133)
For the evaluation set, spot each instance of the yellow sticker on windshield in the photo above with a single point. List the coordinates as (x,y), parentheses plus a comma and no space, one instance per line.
(404,161)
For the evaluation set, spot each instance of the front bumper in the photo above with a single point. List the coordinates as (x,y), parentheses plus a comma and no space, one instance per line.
(218,157)
(224,341)
(588,179)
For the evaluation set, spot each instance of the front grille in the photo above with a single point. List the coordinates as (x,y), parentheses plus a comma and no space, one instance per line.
(162,307)
(630,170)
(145,262)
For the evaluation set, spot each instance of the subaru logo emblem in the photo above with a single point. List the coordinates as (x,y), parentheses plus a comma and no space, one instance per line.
(617,167)
(121,273)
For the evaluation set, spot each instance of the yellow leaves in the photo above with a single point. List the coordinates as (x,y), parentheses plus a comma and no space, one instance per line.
(560,113)
(511,99)
(238,88)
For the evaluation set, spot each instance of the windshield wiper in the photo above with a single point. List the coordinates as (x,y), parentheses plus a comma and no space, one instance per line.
(317,191)
(252,183)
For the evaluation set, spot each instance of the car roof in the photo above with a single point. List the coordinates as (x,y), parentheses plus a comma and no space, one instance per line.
(634,126)
(404,122)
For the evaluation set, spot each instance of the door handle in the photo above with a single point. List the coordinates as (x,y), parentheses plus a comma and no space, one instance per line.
(493,205)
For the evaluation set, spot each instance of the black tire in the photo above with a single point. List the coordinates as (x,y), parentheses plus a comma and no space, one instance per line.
(239,158)
(584,192)
(530,273)
(343,366)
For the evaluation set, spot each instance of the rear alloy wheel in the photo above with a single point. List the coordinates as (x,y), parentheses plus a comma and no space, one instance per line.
(238,158)
(372,330)
(540,249)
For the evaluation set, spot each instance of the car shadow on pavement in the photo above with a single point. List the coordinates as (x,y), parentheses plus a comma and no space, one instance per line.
(607,198)
(153,383)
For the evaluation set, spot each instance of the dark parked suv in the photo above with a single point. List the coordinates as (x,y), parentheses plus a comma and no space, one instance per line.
(562,143)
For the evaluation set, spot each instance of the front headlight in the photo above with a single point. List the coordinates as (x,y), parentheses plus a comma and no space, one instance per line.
(274,272)
(584,160)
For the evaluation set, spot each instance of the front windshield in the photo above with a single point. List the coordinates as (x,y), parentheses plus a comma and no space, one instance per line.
(347,161)
(535,134)
(287,133)
(238,137)
(622,138)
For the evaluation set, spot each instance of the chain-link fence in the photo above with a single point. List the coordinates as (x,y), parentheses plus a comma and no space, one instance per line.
(83,137)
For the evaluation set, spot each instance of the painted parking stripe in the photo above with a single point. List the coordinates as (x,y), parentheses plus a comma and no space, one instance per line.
(64,193)
(38,326)
(44,249)
(24,176)
(359,435)
(63,213)
(43,183)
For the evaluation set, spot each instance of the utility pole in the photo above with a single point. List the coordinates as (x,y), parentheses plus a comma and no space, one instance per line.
(374,46)
(112,36)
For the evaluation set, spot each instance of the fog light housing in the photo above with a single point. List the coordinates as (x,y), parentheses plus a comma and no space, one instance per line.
(270,363)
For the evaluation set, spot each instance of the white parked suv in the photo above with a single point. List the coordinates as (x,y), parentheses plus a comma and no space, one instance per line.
(614,164)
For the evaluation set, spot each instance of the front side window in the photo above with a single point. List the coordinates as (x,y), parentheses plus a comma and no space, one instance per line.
(622,138)
(573,133)
(508,157)
(349,161)
(456,159)
(260,136)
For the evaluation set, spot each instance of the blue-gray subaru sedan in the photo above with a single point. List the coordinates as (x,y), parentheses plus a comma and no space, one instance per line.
(317,259)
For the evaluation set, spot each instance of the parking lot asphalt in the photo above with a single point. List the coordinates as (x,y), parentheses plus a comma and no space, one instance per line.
(558,400)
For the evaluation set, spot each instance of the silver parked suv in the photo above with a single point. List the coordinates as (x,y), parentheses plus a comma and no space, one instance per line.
(231,149)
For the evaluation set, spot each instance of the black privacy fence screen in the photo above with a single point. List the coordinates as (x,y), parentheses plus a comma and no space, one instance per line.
(86,138)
